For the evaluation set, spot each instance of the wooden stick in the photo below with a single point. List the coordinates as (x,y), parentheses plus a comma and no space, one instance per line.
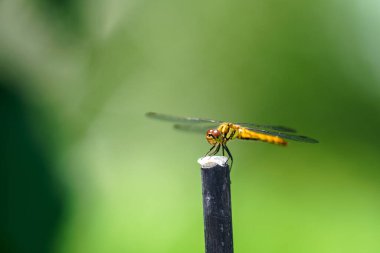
(217,206)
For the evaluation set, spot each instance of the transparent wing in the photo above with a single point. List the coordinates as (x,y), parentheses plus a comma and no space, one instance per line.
(196,128)
(285,135)
(178,119)
(276,128)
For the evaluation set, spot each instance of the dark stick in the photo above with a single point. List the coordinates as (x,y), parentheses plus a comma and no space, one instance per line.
(217,208)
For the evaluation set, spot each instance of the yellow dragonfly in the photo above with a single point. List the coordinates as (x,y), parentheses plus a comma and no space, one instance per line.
(218,133)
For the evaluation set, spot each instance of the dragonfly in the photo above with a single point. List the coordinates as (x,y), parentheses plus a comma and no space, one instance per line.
(219,133)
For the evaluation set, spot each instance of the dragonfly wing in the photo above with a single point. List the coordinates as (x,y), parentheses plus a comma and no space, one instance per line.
(195,128)
(285,135)
(171,118)
(276,128)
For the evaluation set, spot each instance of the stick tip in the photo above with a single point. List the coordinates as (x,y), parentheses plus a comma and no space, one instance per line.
(208,162)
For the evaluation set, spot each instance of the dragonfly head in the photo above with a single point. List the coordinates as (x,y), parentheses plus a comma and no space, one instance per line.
(213,136)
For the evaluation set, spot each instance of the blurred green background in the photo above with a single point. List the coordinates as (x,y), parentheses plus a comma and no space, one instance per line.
(83,170)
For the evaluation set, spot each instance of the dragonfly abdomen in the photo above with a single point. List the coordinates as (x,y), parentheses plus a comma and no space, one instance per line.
(246,134)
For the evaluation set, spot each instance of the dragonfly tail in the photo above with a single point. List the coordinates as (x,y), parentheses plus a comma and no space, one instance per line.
(251,135)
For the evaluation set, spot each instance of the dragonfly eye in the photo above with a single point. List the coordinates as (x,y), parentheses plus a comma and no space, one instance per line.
(213,133)
(213,136)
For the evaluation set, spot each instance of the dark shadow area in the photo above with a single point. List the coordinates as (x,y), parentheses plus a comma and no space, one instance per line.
(30,205)
(63,12)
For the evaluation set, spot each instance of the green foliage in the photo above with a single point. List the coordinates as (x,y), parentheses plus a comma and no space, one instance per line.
(89,74)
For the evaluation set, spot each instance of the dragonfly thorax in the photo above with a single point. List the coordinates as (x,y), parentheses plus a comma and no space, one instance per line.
(224,133)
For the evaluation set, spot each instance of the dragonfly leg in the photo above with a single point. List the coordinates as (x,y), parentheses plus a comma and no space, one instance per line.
(232,133)
(213,150)
(229,155)
(216,149)
(210,150)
